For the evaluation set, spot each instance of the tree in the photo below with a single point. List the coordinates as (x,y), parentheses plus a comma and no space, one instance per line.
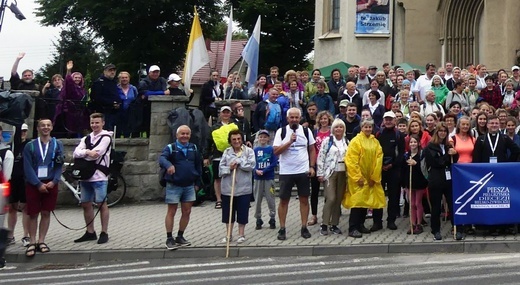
(77,46)
(136,31)
(287,30)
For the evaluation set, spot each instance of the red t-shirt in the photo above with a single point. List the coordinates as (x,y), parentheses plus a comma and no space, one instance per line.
(320,137)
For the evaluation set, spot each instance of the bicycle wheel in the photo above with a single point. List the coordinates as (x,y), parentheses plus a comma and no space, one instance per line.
(118,194)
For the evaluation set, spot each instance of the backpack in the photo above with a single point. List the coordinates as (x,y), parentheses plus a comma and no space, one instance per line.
(83,169)
(305,132)
(273,119)
(331,142)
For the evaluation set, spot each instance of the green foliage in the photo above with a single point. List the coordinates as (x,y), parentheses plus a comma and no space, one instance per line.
(75,45)
(135,31)
(287,30)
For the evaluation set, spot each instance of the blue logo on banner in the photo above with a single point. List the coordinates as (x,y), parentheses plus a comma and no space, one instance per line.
(486,193)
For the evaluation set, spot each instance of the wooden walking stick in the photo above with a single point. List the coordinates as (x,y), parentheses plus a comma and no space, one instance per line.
(454,226)
(410,201)
(230,227)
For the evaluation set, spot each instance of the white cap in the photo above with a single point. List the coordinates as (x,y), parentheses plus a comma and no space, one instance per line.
(225,108)
(174,77)
(515,67)
(25,127)
(154,68)
(389,114)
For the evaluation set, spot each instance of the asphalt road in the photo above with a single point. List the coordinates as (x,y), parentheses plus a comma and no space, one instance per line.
(361,269)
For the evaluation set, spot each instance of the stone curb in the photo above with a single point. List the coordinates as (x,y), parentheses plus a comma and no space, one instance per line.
(251,251)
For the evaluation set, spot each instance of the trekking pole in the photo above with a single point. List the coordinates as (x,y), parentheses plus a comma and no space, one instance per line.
(410,201)
(454,226)
(230,227)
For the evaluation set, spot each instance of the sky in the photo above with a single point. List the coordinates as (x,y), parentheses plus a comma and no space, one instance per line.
(27,36)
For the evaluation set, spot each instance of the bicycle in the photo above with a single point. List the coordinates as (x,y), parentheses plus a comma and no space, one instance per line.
(113,197)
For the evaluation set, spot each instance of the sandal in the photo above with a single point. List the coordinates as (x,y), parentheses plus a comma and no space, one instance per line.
(43,248)
(313,221)
(31,250)
(218,205)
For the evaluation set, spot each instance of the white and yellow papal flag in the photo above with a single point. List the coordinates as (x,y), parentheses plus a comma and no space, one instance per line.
(196,55)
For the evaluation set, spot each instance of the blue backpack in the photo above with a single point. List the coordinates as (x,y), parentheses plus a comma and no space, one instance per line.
(274,117)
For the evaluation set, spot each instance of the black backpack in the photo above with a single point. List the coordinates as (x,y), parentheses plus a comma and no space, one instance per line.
(83,169)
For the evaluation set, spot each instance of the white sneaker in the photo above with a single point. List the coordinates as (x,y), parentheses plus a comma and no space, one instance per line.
(241,239)
(427,215)
(224,240)
(26,241)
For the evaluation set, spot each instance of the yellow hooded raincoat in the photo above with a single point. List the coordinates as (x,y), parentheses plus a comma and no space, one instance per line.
(364,159)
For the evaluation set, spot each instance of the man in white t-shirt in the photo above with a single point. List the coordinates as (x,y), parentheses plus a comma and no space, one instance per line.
(424,82)
(448,66)
(297,158)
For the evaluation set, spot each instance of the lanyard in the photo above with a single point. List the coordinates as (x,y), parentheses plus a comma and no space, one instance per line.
(43,153)
(493,147)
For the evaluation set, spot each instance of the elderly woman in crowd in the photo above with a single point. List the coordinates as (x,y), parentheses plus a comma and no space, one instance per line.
(364,160)
(237,162)
(331,170)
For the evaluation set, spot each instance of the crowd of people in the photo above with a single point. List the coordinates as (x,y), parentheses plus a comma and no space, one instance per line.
(360,136)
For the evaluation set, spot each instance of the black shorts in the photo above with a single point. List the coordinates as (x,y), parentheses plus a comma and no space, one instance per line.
(17,190)
(215,166)
(287,181)
(240,212)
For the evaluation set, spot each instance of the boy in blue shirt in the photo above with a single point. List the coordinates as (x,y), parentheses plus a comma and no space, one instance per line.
(266,161)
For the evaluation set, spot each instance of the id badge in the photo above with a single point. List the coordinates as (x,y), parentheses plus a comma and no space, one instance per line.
(448,174)
(43,171)
(493,159)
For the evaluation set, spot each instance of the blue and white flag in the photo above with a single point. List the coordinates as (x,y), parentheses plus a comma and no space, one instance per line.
(486,193)
(250,54)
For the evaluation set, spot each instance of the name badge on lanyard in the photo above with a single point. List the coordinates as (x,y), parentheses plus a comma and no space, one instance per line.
(43,170)
(493,158)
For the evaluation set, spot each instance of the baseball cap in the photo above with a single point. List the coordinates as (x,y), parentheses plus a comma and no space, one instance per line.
(174,77)
(343,103)
(154,68)
(263,132)
(515,67)
(389,114)
(110,66)
(25,127)
(225,108)
(372,67)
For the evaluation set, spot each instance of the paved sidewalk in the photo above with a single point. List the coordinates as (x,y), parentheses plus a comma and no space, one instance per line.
(136,231)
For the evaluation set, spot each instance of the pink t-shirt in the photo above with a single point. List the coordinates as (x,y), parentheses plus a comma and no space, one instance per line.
(320,137)
(464,148)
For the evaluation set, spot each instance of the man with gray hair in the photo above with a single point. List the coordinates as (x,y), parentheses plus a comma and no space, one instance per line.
(182,163)
(294,145)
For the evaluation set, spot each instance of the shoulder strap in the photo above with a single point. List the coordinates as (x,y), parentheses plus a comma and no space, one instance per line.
(306,133)
(283,132)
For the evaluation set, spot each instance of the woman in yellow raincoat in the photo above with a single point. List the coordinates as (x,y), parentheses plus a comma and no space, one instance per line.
(364,160)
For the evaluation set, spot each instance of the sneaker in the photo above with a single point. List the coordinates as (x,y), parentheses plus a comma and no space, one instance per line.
(355,234)
(272,224)
(391,226)
(170,244)
(376,227)
(180,240)
(437,236)
(364,230)
(335,230)
(10,241)
(241,239)
(459,236)
(103,238)
(259,224)
(281,234)
(369,214)
(224,240)
(86,237)
(305,233)
(427,215)
(323,230)
(26,241)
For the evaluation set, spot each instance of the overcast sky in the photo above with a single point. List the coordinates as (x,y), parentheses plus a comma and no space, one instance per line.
(28,36)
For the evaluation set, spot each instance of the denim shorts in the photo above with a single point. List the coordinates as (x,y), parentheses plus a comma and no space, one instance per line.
(178,194)
(93,191)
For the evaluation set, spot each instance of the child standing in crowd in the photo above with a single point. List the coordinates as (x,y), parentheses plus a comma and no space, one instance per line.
(414,167)
(266,161)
